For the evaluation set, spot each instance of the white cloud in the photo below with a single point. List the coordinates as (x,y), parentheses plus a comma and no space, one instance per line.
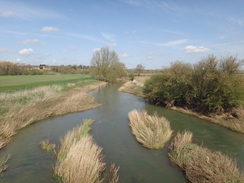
(6,14)
(125,55)
(111,44)
(174,43)
(29,41)
(149,57)
(196,49)
(96,50)
(26,51)
(48,29)
(108,36)
(4,50)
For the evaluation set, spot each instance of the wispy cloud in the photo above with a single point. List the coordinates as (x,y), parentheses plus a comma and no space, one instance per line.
(108,36)
(236,21)
(125,55)
(49,29)
(175,42)
(26,51)
(154,4)
(111,45)
(30,41)
(196,49)
(6,14)
(4,50)
(26,11)
(170,43)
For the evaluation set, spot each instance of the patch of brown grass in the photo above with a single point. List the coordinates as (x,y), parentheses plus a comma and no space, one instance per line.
(202,165)
(80,159)
(151,131)
(134,87)
(18,117)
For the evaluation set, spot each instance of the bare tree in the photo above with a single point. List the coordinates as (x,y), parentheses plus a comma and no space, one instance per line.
(139,69)
(106,66)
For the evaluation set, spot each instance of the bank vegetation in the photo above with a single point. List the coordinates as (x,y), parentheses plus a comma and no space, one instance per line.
(151,131)
(26,107)
(202,165)
(80,159)
(212,87)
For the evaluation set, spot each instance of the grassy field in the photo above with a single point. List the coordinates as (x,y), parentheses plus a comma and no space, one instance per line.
(14,83)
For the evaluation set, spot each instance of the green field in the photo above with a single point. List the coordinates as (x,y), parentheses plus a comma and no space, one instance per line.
(14,83)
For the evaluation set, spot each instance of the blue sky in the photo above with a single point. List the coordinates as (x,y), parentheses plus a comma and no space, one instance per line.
(149,32)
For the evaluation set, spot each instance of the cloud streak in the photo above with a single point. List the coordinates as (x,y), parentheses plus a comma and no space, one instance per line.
(26,11)
(49,29)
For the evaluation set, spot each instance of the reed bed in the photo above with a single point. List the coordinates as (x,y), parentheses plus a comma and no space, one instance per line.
(3,163)
(152,132)
(81,160)
(202,165)
(43,107)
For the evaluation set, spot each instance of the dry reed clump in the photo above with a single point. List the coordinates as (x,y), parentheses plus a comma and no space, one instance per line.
(151,131)
(18,116)
(80,159)
(3,161)
(132,88)
(202,165)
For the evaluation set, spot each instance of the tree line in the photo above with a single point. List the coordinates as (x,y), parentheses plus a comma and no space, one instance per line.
(211,85)
(10,68)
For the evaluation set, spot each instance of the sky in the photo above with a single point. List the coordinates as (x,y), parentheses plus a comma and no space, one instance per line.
(153,33)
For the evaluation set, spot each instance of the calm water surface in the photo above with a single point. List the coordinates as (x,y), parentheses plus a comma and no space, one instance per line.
(111,131)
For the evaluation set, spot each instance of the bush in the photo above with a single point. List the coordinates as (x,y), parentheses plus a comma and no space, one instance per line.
(211,85)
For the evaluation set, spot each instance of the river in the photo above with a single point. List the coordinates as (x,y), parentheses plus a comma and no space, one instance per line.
(29,163)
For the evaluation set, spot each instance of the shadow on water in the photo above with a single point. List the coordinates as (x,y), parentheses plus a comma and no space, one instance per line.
(111,131)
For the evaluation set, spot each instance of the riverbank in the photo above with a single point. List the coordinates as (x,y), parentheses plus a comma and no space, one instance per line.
(74,100)
(227,120)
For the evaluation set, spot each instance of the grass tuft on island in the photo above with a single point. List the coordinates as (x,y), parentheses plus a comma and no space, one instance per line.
(202,165)
(81,160)
(152,132)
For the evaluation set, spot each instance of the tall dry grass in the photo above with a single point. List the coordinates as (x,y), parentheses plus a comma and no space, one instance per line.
(80,159)
(3,163)
(151,131)
(202,165)
(52,104)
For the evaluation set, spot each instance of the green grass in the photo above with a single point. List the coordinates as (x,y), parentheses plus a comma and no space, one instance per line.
(14,83)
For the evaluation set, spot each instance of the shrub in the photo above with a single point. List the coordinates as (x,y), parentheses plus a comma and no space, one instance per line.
(211,85)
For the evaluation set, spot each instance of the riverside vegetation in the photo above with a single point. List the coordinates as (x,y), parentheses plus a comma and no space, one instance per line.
(151,131)
(79,159)
(212,89)
(23,107)
(202,165)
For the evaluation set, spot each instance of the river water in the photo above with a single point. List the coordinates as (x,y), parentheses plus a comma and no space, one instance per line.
(137,164)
